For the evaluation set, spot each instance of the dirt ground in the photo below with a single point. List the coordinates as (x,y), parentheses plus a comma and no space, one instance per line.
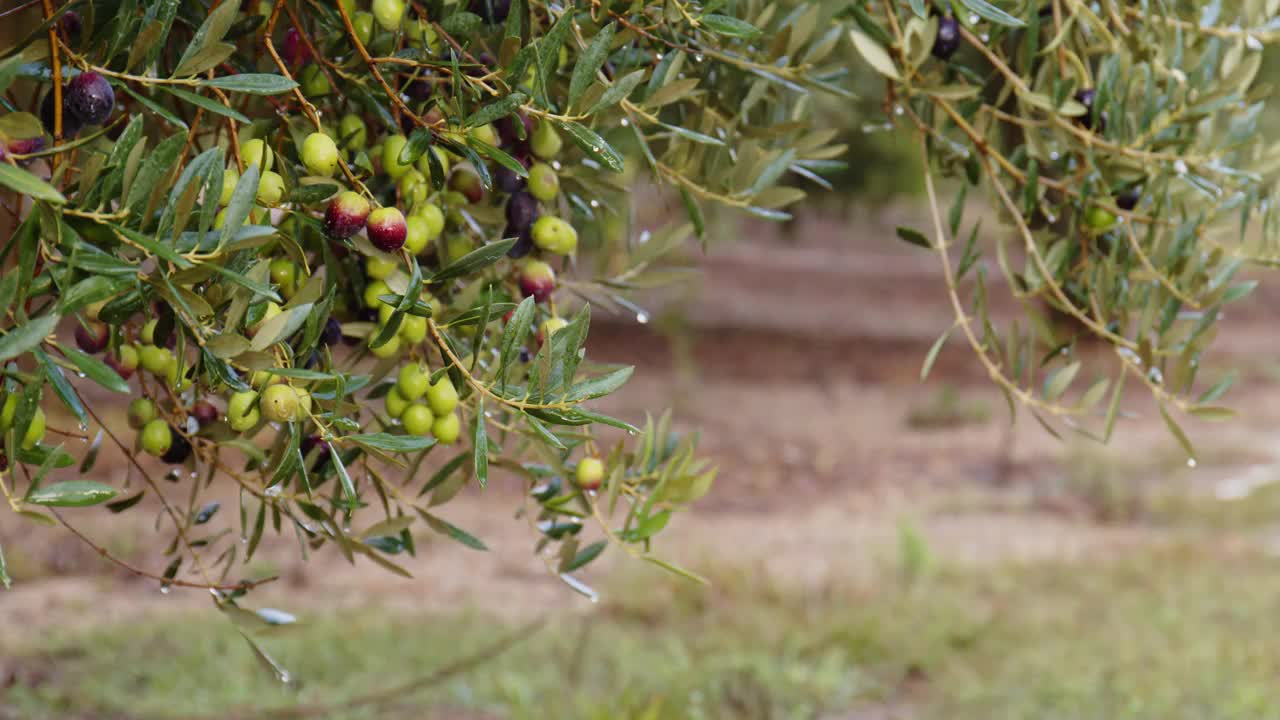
(800,367)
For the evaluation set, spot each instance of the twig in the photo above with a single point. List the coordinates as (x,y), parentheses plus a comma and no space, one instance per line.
(246,585)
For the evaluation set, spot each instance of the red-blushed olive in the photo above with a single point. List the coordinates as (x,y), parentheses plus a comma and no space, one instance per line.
(417,419)
(26,146)
(179,448)
(537,280)
(204,412)
(93,337)
(294,50)
(544,184)
(279,403)
(156,437)
(589,473)
(141,411)
(442,397)
(346,215)
(549,327)
(413,381)
(947,40)
(124,361)
(386,228)
(546,142)
(466,181)
(446,428)
(35,430)
(90,98)
(242,410)
(320,154)
(555,236)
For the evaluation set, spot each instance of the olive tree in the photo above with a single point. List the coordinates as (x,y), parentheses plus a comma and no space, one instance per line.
(341,259)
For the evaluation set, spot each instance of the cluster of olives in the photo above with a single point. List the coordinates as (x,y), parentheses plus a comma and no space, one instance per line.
(424,407)
(401,209)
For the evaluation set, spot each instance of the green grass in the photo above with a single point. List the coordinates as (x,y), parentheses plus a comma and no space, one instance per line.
(1178,632)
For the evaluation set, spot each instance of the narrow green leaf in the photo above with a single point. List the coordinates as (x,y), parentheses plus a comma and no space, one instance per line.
(209,104)
(932,356)
(26,337)
(448,529)
(481,257)
(600,386)
(344,478)
(1059,380)
(513,337)
(914,237)
(986,10)
(1177,433)
(496,110)
(590,62)
(585,556)
(392,443)
(480,446)
(211,31)
(729,26)
(15,178)
(618,91)
(97,371)
(593,145)
(252,83)
(72,493)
